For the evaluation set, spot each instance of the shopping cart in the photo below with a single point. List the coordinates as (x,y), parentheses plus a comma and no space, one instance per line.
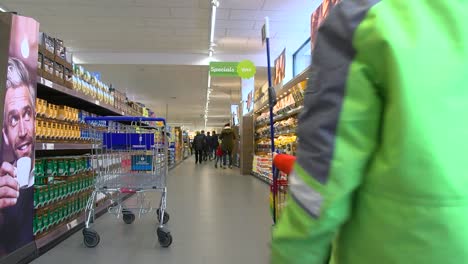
(130,158)
(278,194)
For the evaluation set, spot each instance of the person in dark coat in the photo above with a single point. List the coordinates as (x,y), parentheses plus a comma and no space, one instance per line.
(209,147)
(199,142)
(227,136)
(204,148)
(214,143)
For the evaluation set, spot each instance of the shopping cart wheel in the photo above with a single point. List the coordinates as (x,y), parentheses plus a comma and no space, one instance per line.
(90,237)
(128,217)
(165,217)
(164,237)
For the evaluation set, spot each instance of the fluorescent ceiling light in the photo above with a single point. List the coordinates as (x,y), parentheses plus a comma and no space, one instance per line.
(214,7)
(213,24)
(3,9)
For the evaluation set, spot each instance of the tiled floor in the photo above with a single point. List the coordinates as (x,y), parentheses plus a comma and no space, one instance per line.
(216,217)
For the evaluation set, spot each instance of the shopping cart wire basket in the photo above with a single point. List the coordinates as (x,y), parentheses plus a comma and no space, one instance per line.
(129,156)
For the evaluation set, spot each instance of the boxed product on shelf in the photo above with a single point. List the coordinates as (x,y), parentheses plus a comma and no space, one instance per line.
(68,78)
(48,65)
(59,48)
(40,60)
(89,85)
(48,42)
(58,71)
(262,165)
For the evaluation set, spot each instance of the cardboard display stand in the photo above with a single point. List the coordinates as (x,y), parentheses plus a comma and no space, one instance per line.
(18,75)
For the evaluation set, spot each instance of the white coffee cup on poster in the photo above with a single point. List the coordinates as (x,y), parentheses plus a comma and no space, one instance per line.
(23,171)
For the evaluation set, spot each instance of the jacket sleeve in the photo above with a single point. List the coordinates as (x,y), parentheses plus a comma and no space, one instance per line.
(338,132)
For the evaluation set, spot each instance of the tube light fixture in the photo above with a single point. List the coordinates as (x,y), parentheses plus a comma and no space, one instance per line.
(214,7)
(212,45)
(2,9)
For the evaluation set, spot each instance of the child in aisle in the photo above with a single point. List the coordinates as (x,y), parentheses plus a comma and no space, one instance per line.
(219,156)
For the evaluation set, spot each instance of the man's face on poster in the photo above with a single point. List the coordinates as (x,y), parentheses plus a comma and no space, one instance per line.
(18,130)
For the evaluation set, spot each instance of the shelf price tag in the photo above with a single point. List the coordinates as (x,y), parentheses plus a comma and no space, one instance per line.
(47,83)
(49,146)
(97,102)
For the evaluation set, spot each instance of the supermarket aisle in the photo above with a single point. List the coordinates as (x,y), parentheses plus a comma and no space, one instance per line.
(217,216)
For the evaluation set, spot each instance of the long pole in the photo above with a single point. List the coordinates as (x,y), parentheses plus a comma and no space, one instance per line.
(271,102)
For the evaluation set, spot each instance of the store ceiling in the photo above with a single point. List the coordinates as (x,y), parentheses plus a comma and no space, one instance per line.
(154,48)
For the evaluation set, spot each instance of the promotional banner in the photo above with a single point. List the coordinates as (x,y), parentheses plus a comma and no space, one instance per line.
(318,17)
(247,95)
(280,68)
(18,70)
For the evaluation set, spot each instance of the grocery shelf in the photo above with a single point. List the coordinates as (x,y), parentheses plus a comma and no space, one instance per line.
(57,234)
(65,228)
(59,94)
(286,115)
(278,134)
(262,178)
(299,78)
(63,146)
(51,203)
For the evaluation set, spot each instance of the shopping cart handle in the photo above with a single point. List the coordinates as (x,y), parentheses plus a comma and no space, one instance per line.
(125,119)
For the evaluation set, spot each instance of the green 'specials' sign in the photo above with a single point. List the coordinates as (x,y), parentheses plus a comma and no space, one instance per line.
(223,69)
(244,69)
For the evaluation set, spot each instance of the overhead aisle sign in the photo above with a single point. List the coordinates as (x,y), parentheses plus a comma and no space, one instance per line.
(244,69)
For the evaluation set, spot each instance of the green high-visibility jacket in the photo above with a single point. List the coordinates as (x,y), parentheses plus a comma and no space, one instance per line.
(382,168)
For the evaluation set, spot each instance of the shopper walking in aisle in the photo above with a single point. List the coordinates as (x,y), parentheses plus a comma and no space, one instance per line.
(381,164)
(191,147)
(204,146)
(227,143)
(209,143)
(199,142)
(219,156)
(215,142)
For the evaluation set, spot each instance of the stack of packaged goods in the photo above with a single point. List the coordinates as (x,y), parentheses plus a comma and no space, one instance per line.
(56,122)
(121,101)
(172,154)
(136,109)
(262,167)
(54,62)
(88,84)
(86,133)
(62,187)
(60,123)
(172,147)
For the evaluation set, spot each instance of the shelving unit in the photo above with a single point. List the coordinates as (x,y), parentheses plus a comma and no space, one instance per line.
(62,200)
(290,104)
(262,178)
(59,94)
(49,145)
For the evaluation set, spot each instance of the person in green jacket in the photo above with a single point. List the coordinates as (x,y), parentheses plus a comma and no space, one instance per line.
(227,138)
(381,170)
